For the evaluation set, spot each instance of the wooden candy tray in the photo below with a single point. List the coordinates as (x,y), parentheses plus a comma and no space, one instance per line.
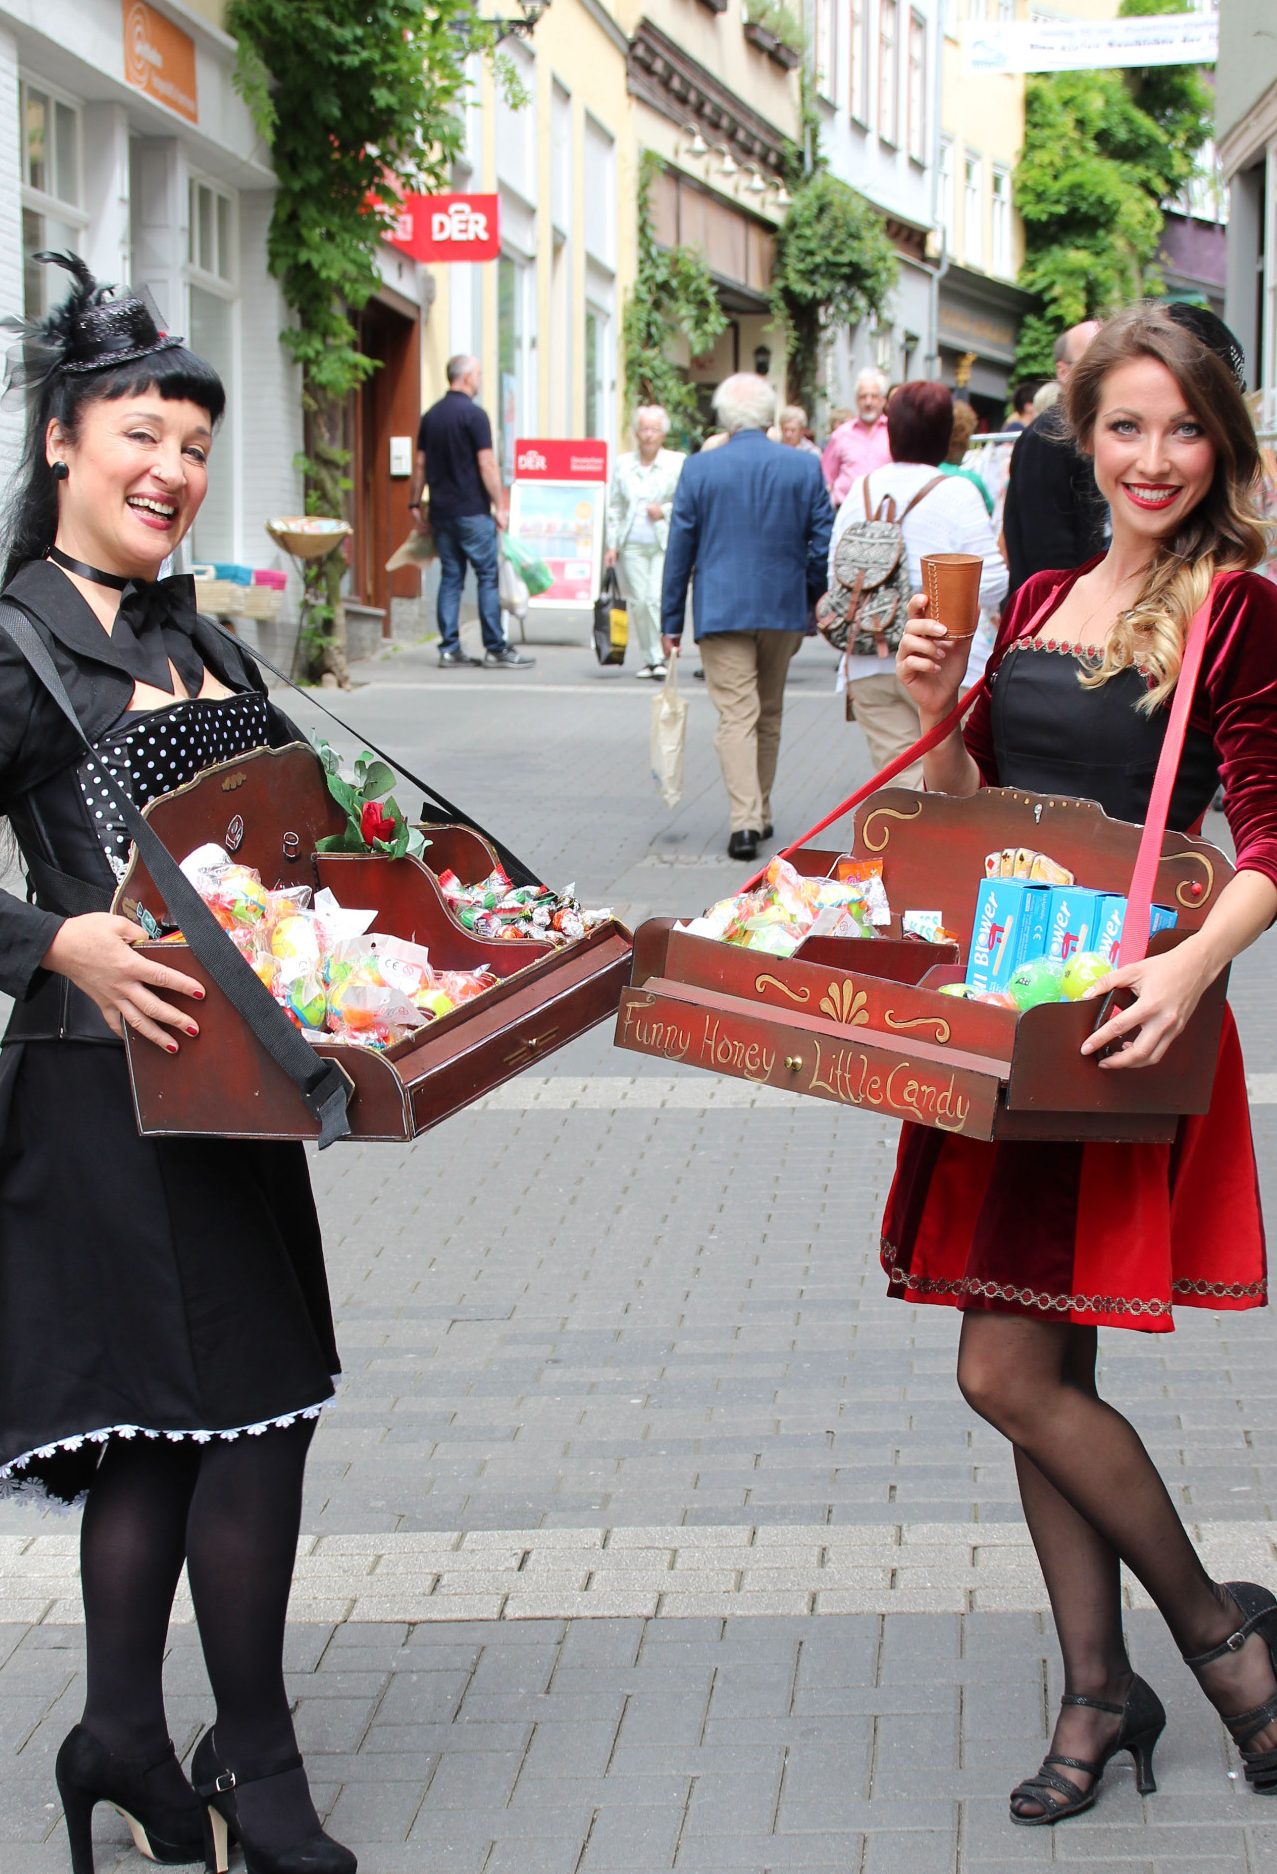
(861,1021)
(268,809)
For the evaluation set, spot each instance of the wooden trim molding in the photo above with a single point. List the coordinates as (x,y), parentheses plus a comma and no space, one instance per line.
(663,75)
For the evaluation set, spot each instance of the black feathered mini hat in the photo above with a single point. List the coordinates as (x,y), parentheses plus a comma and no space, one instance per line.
(96,328)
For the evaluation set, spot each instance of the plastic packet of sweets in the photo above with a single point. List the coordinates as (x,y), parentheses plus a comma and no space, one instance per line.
(370,1014)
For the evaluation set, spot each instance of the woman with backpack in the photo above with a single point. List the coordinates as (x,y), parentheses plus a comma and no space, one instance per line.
(936,513)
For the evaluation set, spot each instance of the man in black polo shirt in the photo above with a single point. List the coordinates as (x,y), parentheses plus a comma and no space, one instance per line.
(467,505)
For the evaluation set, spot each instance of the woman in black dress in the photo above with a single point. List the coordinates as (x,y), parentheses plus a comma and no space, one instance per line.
(166,1340)
(1040,1245)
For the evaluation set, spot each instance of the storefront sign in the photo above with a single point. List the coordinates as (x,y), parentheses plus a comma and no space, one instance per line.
(557,508)
(1091,45)
(437,228)
(159,59)
(964,329)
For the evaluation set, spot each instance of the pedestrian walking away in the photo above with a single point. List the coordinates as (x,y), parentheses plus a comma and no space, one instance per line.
(1040,1245)
(638,518)
(750,530)
(1052,517)
(861,443)
(467,508)
(165,1341)
(937,514)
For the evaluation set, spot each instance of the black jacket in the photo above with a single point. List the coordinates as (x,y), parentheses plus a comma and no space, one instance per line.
(1054,516)
(39,789)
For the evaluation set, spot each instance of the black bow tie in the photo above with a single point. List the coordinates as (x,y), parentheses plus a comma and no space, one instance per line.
(154,626)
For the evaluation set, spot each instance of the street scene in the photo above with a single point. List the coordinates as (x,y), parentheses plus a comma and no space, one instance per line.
(638,856)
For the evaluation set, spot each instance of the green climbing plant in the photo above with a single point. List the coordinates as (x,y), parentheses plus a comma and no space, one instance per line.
(673,298)
(834,264)
(1103,151)
(356,99)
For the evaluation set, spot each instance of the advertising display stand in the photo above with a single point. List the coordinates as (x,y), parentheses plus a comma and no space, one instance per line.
(558,504)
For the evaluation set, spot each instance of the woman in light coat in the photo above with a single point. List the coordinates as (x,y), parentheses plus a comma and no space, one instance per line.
(638,513)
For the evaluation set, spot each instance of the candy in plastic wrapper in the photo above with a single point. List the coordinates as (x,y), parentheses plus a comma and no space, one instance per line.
(924,924)
(867,874)
(371,1015)
(305,998)
(296,940)
(1037,981)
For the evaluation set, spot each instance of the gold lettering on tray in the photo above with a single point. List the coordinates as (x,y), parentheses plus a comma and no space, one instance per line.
(750,1059)
(848,1075)
(843,1002)
(877,842)
(665,1038)
(942,1028)
(795,995)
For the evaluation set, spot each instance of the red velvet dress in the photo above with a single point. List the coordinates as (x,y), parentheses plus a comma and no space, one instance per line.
(1107,1235)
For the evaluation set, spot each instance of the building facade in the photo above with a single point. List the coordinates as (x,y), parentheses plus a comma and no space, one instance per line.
(875,84)
(1246,131)
(123,138)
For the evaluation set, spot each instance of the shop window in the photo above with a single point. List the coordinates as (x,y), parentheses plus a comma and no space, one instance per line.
(51,190)
(514,375)
(888,71)
(917,88)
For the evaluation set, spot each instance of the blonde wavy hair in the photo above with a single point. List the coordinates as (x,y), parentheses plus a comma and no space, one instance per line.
(1222,533)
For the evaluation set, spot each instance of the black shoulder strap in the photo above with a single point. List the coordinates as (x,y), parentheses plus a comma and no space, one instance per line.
(320,1082)
(518,872)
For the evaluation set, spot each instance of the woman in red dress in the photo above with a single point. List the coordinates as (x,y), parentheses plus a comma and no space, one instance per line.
(1081,675)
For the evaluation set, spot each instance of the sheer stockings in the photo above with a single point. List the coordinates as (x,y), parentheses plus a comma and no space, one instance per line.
(1093,1499)
(231,1510)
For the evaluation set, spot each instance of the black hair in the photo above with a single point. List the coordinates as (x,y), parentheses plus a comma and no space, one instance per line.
(59,391)
(1025,392)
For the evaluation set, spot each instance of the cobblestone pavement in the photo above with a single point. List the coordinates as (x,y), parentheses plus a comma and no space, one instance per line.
(647,1533)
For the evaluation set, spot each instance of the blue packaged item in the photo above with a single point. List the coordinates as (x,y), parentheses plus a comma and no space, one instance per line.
(1034,924)
(1073,920)
(1005,909)
(234,575)
(1113,915)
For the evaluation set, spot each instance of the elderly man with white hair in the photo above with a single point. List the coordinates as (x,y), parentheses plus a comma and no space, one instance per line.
(750,531)
(859,445)
(638,517)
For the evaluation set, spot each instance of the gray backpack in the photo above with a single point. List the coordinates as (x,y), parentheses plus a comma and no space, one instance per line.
(867,603)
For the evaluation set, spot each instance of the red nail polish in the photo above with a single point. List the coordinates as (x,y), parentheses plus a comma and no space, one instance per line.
(199,995)
(170,1047)
(192,1031)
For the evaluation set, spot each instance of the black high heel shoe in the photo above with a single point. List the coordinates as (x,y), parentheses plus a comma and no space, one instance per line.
(1258,1609)
(215,1784)
(163,1829)
(1143,1721)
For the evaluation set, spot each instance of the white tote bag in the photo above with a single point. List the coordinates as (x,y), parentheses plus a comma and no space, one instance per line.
(669,734)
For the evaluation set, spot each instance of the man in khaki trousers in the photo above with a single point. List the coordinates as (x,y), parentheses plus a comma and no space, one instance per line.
(750,532)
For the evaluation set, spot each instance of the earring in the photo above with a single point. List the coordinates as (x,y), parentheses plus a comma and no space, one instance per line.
(60,471)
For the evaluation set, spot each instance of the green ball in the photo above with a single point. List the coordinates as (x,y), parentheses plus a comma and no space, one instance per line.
(1083,971)
(1037,981)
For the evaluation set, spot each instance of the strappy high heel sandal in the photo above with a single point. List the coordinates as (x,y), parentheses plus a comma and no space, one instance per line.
(1055,1797)
(1258,1608)
(163,1829)
(215,1784)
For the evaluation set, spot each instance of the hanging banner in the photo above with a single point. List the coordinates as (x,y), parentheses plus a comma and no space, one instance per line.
(557,507)
(159,59)
(1090,45)
(436,228)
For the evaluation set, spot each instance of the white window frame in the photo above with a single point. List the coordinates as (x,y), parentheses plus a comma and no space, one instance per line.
(224,284)
(858,61)
(916,88)
(825,50)
(946,203)
(42,201)
(1000,261)
(973,196)
(889,72)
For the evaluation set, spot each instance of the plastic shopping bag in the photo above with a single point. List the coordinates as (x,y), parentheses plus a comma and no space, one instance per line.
(611,621)
(511,589)
(530,567)
(669,735)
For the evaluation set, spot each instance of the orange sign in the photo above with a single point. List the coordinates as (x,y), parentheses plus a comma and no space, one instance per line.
(159,58)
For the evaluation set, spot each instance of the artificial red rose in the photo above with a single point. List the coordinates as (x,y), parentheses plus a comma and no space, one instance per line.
(375,823)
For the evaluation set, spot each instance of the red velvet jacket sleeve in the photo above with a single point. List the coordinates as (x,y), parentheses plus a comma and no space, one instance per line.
(1236,704)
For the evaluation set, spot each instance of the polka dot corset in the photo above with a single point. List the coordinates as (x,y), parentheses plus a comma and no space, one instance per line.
(152,751)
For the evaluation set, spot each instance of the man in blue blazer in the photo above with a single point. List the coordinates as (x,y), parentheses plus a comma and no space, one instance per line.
(750,529)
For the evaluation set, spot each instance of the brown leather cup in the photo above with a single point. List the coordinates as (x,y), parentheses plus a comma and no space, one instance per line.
(951,582)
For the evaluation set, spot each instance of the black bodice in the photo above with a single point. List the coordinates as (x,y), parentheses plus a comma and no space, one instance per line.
(1053,737)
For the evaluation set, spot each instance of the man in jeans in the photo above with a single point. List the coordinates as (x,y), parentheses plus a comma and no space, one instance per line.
(467,507)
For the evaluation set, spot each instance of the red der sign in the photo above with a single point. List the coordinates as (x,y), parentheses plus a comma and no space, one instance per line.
(448,227)
(556,460)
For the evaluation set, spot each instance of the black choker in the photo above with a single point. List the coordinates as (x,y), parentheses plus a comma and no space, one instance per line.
(83,571)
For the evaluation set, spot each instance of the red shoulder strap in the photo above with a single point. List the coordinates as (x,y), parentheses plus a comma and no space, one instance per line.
(1139,900)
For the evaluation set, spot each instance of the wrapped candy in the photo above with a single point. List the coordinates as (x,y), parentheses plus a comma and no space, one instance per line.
(1037,981)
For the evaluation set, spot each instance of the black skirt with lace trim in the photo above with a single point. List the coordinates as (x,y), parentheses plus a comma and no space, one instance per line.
(165,1288)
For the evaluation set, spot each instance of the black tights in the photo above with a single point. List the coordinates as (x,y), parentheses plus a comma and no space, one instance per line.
(231,1510)
(1093,1499)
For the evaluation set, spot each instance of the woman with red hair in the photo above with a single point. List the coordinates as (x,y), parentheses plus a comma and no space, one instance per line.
(938,513)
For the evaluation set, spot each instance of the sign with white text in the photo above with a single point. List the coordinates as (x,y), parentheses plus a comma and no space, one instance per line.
(434,228)
(557,505)
(159,59)
(1090,45)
